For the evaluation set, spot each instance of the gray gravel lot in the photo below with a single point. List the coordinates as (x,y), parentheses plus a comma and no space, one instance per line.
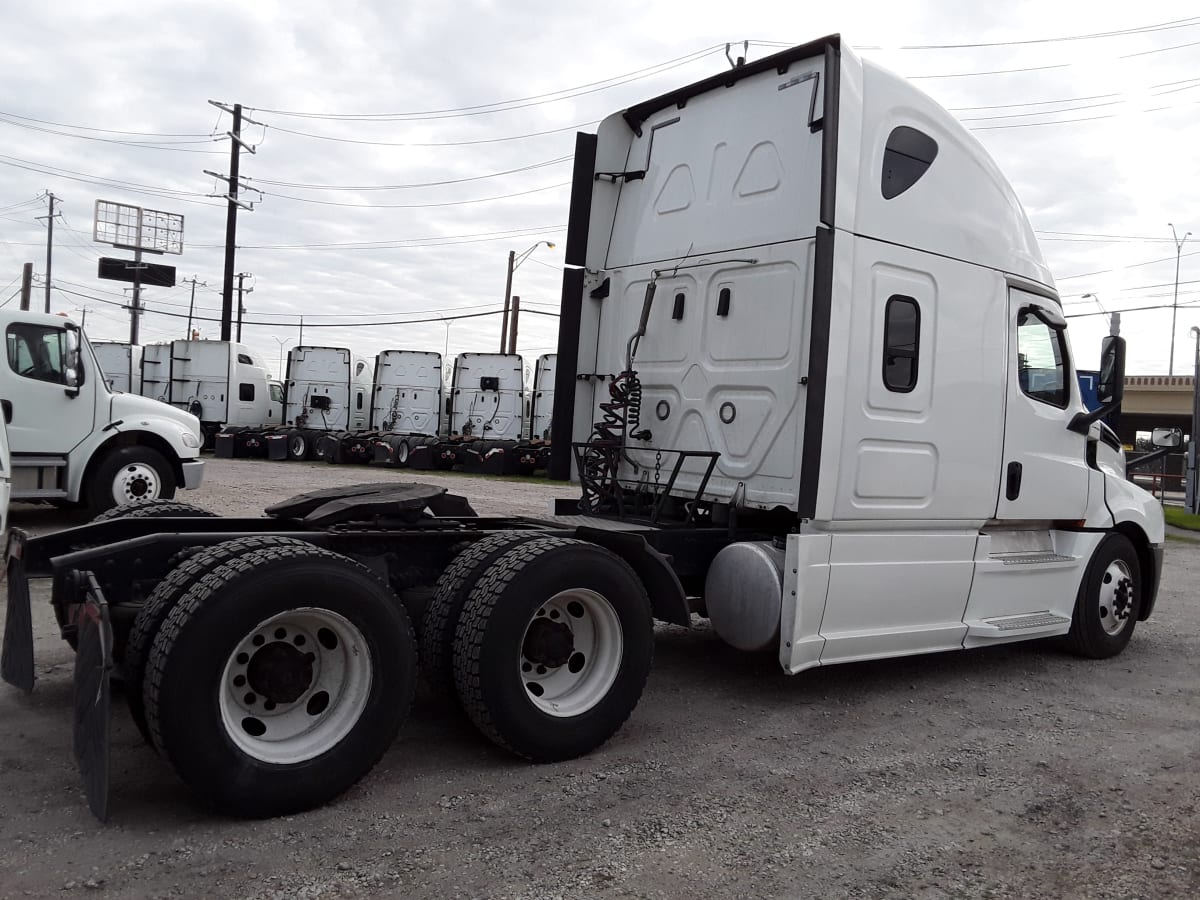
(1014,771)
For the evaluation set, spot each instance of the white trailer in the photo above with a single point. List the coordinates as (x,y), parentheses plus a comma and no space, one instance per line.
(486,396)
(121,364)
(224,384)
(814,380)
(407,394)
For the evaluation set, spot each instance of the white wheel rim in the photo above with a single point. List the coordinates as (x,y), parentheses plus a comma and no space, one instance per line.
(297,446)
(295,686)
(136,482)
(402,451)
(1116,597)
(571,653)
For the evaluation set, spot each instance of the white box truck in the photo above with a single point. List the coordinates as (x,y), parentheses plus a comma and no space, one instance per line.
(814,380)
(224,384)
(486,396)
(121,364)
(541,398)
(72,439)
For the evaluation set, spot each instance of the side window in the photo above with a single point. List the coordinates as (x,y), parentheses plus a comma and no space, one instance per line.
(245,392)
(901,343)
(1041,360)
(245,360)
(907,156)
(276,393)
(360,396)
(38,352)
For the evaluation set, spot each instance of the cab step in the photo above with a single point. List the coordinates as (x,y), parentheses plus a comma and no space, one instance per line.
(1023,625)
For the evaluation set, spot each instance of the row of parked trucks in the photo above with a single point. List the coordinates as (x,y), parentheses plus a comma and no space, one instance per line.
(335,405)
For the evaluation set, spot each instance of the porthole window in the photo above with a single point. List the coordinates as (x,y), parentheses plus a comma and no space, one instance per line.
(906,157)
(901,343)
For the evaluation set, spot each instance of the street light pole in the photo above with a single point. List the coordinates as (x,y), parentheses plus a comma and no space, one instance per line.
(514,260)
(281,342)
(1192,498)
(1175,302)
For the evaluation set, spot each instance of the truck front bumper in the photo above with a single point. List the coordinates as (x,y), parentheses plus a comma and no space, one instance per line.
(193,474)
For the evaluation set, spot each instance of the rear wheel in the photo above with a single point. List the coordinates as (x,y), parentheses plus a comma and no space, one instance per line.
(1108,602)
(553,648)
(153,509)
(297,447)
(166,594)
(441,616)
(280,679)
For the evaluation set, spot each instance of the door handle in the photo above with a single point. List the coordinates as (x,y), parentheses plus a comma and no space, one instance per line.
(1013,488)
(6,406)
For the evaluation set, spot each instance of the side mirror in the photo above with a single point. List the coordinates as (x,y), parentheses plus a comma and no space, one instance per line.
(1111,387)
(1167,438)
(72,363)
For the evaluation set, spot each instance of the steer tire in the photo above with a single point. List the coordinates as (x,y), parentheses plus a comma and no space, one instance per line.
(441,616)
(166,594)
(101,487)
(153,509)
(1115,556)
(264,602)
(494,643)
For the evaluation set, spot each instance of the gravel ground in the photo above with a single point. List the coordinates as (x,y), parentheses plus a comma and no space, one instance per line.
(1014,771)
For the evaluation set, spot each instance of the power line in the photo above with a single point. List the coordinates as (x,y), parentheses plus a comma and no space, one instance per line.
(1148,262)
(433,240)
(396,187)
(415,205)
(506,105)
(144,145)
(495,140)
(195,134)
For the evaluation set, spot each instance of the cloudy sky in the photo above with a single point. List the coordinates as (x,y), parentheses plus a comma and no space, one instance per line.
(404,148)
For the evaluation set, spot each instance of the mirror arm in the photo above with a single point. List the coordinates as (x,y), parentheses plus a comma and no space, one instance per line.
(1146,458)
(1082,422)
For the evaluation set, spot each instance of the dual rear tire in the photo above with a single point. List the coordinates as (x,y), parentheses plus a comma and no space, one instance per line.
(276,675)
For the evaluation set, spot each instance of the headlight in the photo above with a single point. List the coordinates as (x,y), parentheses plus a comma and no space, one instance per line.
(190,440)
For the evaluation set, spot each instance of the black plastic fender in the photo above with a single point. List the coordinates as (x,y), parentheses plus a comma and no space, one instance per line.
(667,596)
(93,699)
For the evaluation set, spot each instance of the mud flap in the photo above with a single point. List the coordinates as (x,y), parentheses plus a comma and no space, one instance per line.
(93,701)
(16,662)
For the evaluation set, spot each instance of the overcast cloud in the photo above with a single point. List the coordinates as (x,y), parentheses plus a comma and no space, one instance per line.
(126,87)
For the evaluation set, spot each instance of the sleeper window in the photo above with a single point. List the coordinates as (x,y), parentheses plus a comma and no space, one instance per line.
(245,392)
(907,156)
(1041,360)
(901,343)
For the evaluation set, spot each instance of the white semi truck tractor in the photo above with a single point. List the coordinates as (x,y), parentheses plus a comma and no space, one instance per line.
(815,384)
(75,440)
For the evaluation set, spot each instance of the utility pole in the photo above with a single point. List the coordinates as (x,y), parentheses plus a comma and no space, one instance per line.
(512,334)
(135,310)
(512,257)
(193,281)
(301,340)
(237,145)
(49,243)
(26,285)
(1175,302)
(241,276)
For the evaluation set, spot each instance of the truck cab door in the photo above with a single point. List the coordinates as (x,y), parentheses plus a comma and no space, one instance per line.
(1044,472)
(51,392)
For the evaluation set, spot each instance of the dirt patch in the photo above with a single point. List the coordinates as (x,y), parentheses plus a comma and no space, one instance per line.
(1014,771)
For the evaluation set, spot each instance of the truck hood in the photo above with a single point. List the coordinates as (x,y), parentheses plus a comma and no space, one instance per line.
(133,410)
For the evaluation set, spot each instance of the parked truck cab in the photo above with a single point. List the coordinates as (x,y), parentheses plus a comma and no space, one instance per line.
(73,439)
(825,302)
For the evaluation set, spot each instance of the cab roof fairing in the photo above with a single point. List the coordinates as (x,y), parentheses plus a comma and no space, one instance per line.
(963,207)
